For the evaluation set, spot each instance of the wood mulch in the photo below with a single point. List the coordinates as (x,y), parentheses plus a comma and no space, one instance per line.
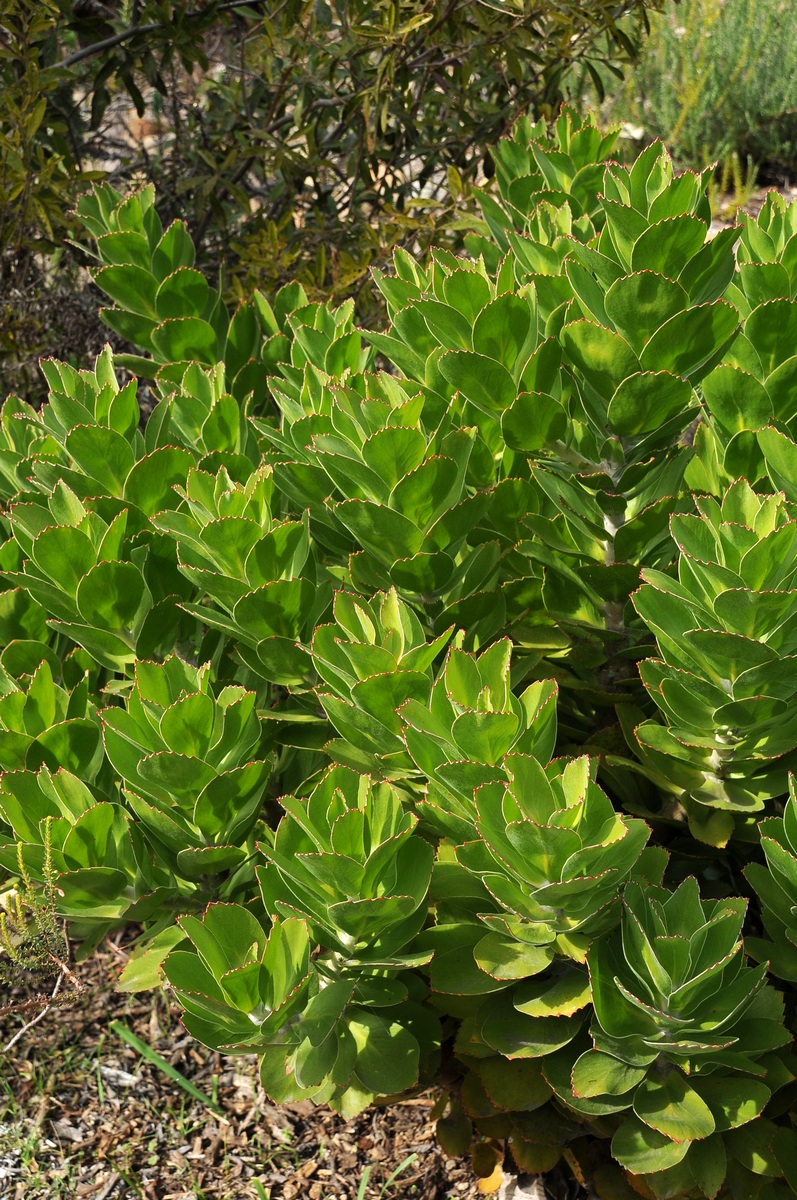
(84,1115)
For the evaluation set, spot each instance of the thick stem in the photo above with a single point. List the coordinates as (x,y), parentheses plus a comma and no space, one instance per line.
(613,609)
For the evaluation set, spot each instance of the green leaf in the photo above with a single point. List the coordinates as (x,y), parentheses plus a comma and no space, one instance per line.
(387,1054)
(325,1010)
(752,1145)
(454,1134)
(226,936)
(784,1144)
(486,383)
(563,995)
(124,248)
(638,305)
(533,422)
(647,400)
(781,386)
(133,328)
(504,958)
(184,293)
(772,329)
(488,736)
(515,1035)
(151,482)
(111,595)
(275,609)
(761,282)
(709,1164)
(641,1149)
(453,969)
(736,399)
(71,744)
(94,893)
(625,225)
(393,452)
(602,356)
(131,286)
(597,1074)
(102,454)
(382,695)
(708,273)
(186,726)
(668,245)
(467,291)
(780,455)
(387,534)
(692,342)
(174,777)
(64,554)
(502,330)
(448,325)
(181,339)
(142,971)
(175,249)
(668,1104)
(517,1086)
(411,364)
(424,493)
(196,862)
(734,1100)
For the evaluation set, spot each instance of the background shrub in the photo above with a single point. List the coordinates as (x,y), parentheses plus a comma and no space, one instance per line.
(303,143)
(717,78)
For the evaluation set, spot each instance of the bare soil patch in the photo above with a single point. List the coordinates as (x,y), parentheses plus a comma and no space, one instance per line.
(83,1115)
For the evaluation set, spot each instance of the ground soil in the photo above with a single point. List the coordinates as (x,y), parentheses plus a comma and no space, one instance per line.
(84,1115)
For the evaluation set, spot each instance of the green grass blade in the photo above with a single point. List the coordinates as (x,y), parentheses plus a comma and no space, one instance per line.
(149,1054)
(401,1167)
(364,1183)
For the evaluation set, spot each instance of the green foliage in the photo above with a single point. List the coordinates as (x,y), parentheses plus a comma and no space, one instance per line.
(345,874)
(716,79)
(323,673)
(33,942)
(776,885)
(35,159)
(684,1035)
(299,142)
(724,635)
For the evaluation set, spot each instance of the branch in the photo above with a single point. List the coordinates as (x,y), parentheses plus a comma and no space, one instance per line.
(39,1016)
(139,30)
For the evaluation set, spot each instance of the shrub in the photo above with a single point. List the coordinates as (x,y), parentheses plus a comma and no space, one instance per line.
(304,142)
(716,80)
(313,673)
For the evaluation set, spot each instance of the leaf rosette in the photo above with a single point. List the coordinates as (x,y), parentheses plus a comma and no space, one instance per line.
(256,575)
(347,878)
(726,630)
(372,660)
(775,883)
(350,861)
(685,1035)
(105,872)
(189,757)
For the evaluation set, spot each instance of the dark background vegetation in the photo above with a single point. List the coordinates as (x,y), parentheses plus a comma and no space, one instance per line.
(298,140)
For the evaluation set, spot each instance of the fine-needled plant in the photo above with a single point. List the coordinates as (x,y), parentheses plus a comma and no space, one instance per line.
(424,694)
(716,81)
